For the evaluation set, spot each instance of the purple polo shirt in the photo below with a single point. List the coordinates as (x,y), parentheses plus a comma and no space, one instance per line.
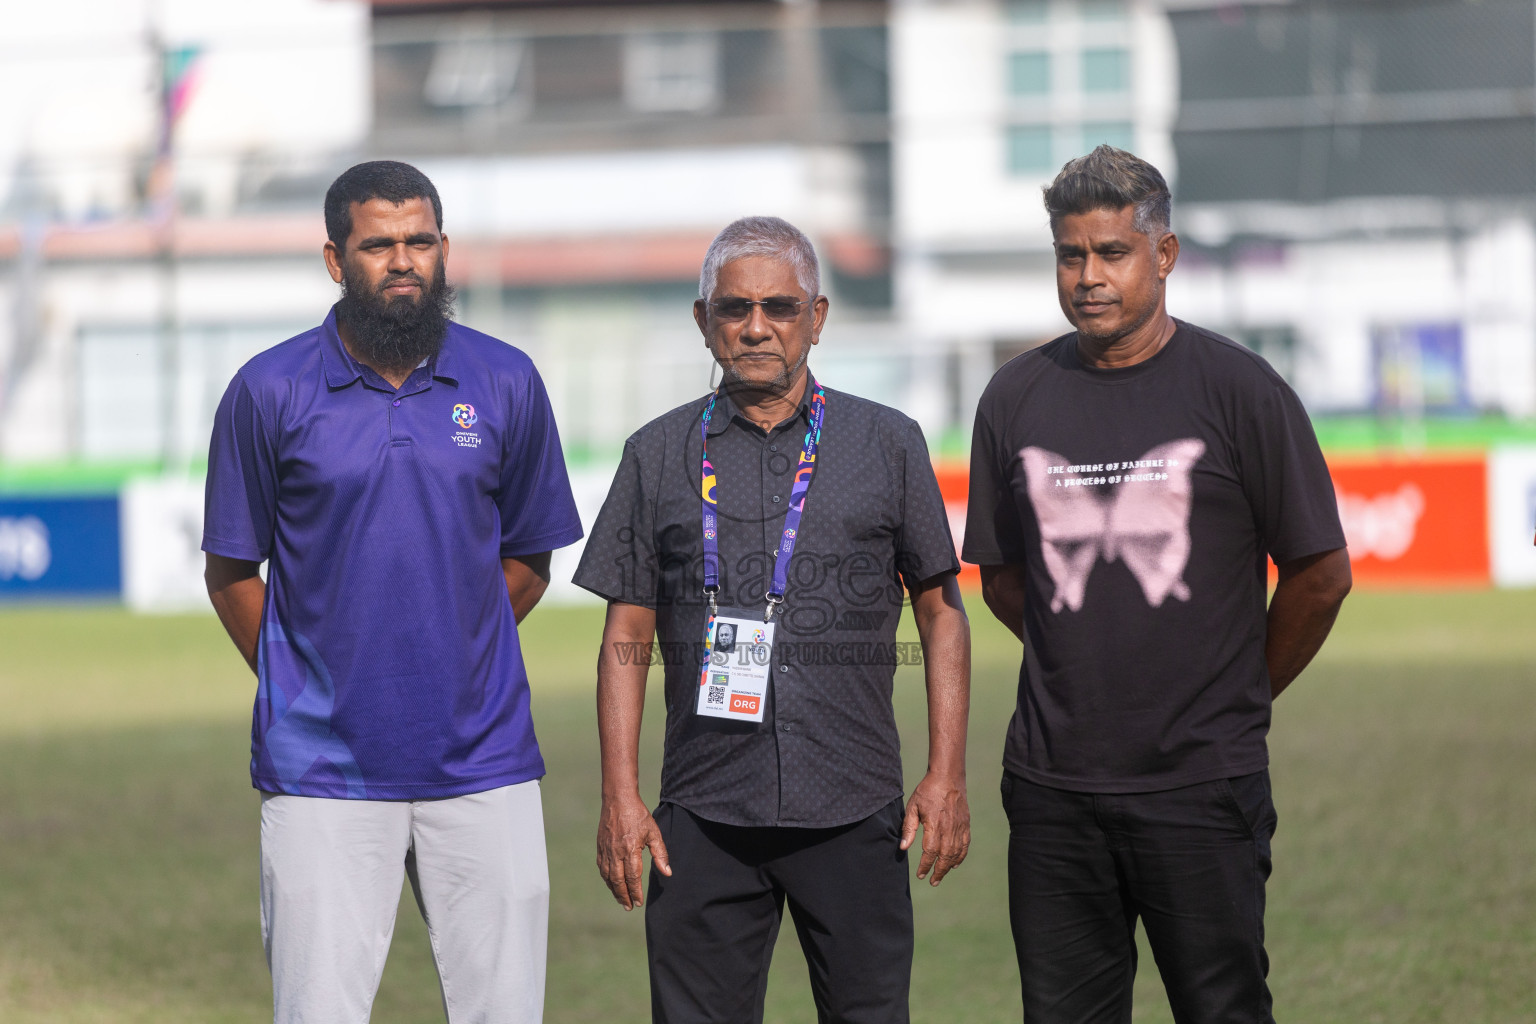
(389,666)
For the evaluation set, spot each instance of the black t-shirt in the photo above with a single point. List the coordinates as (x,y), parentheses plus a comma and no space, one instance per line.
(1142,502)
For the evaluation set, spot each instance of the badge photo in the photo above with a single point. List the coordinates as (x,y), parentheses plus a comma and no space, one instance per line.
(734,680)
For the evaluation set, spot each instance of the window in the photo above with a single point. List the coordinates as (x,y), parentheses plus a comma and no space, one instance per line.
(1027,12)
(1029,148)
(1103,10)
(1276,344)
(671,71)
(1106,70)
(1120,134)
(124,383)
(473,71)
(1029,74)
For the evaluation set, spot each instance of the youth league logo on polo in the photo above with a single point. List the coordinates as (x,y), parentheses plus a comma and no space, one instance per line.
(465,418)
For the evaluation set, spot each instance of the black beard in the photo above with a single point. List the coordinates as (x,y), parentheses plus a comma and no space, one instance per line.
(394,335)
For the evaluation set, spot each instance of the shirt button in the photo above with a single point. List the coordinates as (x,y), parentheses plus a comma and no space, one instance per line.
(397,403)
(775,497)
(783,668)
(773,447)
(785,727)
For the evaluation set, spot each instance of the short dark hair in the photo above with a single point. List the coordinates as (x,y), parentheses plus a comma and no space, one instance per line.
(1112,179)
(375,179)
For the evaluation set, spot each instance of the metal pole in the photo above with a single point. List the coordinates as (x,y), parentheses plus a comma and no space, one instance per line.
(162,198)
(802,69)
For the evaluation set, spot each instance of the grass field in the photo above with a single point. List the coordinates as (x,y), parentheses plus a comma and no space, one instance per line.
(1404,764)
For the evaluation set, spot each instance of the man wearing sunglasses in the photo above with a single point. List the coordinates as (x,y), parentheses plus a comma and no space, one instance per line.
(767,534)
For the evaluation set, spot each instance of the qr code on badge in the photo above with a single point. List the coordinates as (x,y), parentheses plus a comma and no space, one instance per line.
(716,695)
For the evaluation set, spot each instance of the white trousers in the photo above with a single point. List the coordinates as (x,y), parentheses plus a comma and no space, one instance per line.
(331,874)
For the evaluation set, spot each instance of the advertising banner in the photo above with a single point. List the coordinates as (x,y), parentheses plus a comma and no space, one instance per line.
(59,547)
(1410,523)
(589,486)
(1512,514)
(162,545)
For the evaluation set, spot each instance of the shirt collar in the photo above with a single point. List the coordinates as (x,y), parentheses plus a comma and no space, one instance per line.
(726,412)
(342,370)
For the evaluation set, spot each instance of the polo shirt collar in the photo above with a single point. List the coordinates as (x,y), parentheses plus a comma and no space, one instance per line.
(726,411)
(341,370)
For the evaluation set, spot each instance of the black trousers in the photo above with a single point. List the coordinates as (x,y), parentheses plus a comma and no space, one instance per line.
(710,928)
(1191,863)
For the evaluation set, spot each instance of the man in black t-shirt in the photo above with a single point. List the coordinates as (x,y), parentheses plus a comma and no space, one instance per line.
(1128,482)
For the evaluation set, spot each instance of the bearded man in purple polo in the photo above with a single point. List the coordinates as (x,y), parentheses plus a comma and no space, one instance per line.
(402,479)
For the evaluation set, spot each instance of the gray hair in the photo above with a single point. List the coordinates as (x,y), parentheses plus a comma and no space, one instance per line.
(761,236)
(1112,179)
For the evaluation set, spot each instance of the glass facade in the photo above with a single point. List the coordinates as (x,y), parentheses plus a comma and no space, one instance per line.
(1120,134)
(1106,70)
(1029,148)
(1029,74)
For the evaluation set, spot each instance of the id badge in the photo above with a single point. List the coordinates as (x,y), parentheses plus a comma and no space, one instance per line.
(734,683)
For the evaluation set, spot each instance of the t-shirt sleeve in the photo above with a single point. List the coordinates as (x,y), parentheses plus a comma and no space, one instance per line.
(1286,479)
(240,497)
(619,562)
(924,547)
(993,534)
(538,511)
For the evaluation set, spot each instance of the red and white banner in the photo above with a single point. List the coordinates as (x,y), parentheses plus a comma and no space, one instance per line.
(1412,523)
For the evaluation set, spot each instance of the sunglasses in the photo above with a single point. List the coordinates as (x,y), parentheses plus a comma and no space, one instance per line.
(776,308)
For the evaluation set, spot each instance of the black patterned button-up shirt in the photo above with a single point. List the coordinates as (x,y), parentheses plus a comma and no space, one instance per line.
(827,752)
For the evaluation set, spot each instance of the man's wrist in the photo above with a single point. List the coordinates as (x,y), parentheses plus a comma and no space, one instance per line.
(954,777)
(621,793)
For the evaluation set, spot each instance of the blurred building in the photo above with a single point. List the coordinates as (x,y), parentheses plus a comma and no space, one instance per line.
(587,154)
(1355,187)
(990,99)
(1357,184)
(125,312)
(1353,181)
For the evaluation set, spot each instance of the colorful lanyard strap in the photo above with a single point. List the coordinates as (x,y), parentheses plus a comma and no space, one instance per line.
(802,483)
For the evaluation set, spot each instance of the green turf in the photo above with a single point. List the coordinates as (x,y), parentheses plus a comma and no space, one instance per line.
(1405,885)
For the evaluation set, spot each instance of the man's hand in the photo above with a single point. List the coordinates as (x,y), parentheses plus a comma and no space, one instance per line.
(238,595)
(1301,612)
(624,828)
(938,802)
(939,805)
(527,578)
(1002,588)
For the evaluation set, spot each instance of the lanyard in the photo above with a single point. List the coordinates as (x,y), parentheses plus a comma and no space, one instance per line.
(802,483)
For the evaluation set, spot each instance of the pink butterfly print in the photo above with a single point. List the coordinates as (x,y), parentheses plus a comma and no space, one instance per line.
(1145,522)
